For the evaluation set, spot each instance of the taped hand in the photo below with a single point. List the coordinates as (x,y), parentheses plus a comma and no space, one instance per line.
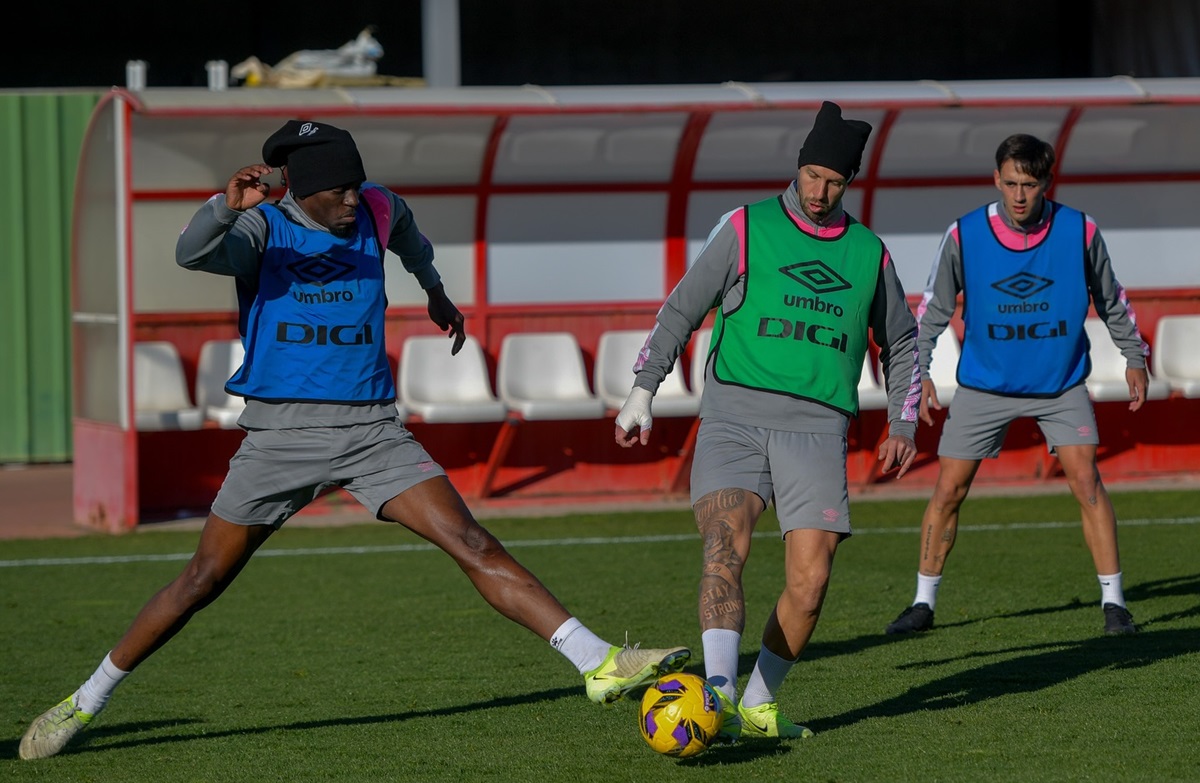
(634,421)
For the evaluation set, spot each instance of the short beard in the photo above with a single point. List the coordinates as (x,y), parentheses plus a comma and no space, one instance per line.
(819,220)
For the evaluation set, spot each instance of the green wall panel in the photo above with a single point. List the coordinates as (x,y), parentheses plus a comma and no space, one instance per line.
(40,139)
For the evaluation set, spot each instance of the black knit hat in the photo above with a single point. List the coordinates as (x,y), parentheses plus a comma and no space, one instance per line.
(835,143)
(318,157)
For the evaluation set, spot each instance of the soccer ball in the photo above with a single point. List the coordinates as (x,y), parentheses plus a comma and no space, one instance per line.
(680,715)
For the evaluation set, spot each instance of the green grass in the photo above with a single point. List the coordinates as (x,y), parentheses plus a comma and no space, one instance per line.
(358,654)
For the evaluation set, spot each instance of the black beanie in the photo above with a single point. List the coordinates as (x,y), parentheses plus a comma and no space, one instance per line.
(318,157)
(833,142)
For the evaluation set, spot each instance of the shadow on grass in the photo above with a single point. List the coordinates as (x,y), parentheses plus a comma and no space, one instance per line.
(116,736)
(1160,588)
(742,752)
(1187,586)
(1031,669)
(95,739)
(1028,668)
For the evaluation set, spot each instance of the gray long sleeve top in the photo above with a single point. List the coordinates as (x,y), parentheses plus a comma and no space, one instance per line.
(224,241)
(940,298)
(714,281)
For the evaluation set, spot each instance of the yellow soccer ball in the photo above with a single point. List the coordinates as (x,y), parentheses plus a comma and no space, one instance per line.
(680,715)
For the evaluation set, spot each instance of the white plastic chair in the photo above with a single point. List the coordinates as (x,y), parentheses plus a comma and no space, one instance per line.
(871,393)
(616,353)
(1175,356)
(440,387)
(1107,380)
(160,392)
(219,360)
(701,342)
(541,376)
(943,365)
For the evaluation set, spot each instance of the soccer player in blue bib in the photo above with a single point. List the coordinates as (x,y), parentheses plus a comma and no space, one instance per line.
(320,411)
(1027,268)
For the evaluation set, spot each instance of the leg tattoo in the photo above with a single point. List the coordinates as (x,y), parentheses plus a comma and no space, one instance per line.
(722,601)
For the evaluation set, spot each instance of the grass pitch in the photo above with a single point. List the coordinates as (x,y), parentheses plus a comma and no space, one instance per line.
(362,654)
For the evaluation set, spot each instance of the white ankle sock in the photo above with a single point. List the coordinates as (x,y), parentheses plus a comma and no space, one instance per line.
(94,694)
(1111,591)
(927,587)
(768,675)
(584,649)
(721,659)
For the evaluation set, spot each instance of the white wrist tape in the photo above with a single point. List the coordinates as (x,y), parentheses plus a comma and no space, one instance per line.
(636,410)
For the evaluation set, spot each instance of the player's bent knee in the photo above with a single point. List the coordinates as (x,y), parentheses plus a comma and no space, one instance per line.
(476,544)
(195,588)
(805,598)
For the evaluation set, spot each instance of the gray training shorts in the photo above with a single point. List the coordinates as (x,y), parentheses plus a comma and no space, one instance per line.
(978,421)
(275,473)
(805,473)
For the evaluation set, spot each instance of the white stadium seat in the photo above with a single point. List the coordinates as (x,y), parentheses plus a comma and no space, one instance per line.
(160,395)
(219,360)
(440,387)
(701,342)
(616,353)
(871,393)
(1175,355)
(943,365)
(541,376)
(1107,381)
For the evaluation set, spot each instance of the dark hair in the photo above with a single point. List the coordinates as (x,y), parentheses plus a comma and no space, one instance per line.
(1029,154)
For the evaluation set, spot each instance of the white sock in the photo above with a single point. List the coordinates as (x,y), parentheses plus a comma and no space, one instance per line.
(927,587)
(584,649)
(1111,591)
(768,675)
(721,659)
(94,694)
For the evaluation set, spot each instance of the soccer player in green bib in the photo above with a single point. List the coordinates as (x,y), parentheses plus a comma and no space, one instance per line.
(799,286)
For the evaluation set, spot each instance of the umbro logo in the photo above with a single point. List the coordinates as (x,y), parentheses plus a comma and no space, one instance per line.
(1022,285)
(319,269)
(816,276)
